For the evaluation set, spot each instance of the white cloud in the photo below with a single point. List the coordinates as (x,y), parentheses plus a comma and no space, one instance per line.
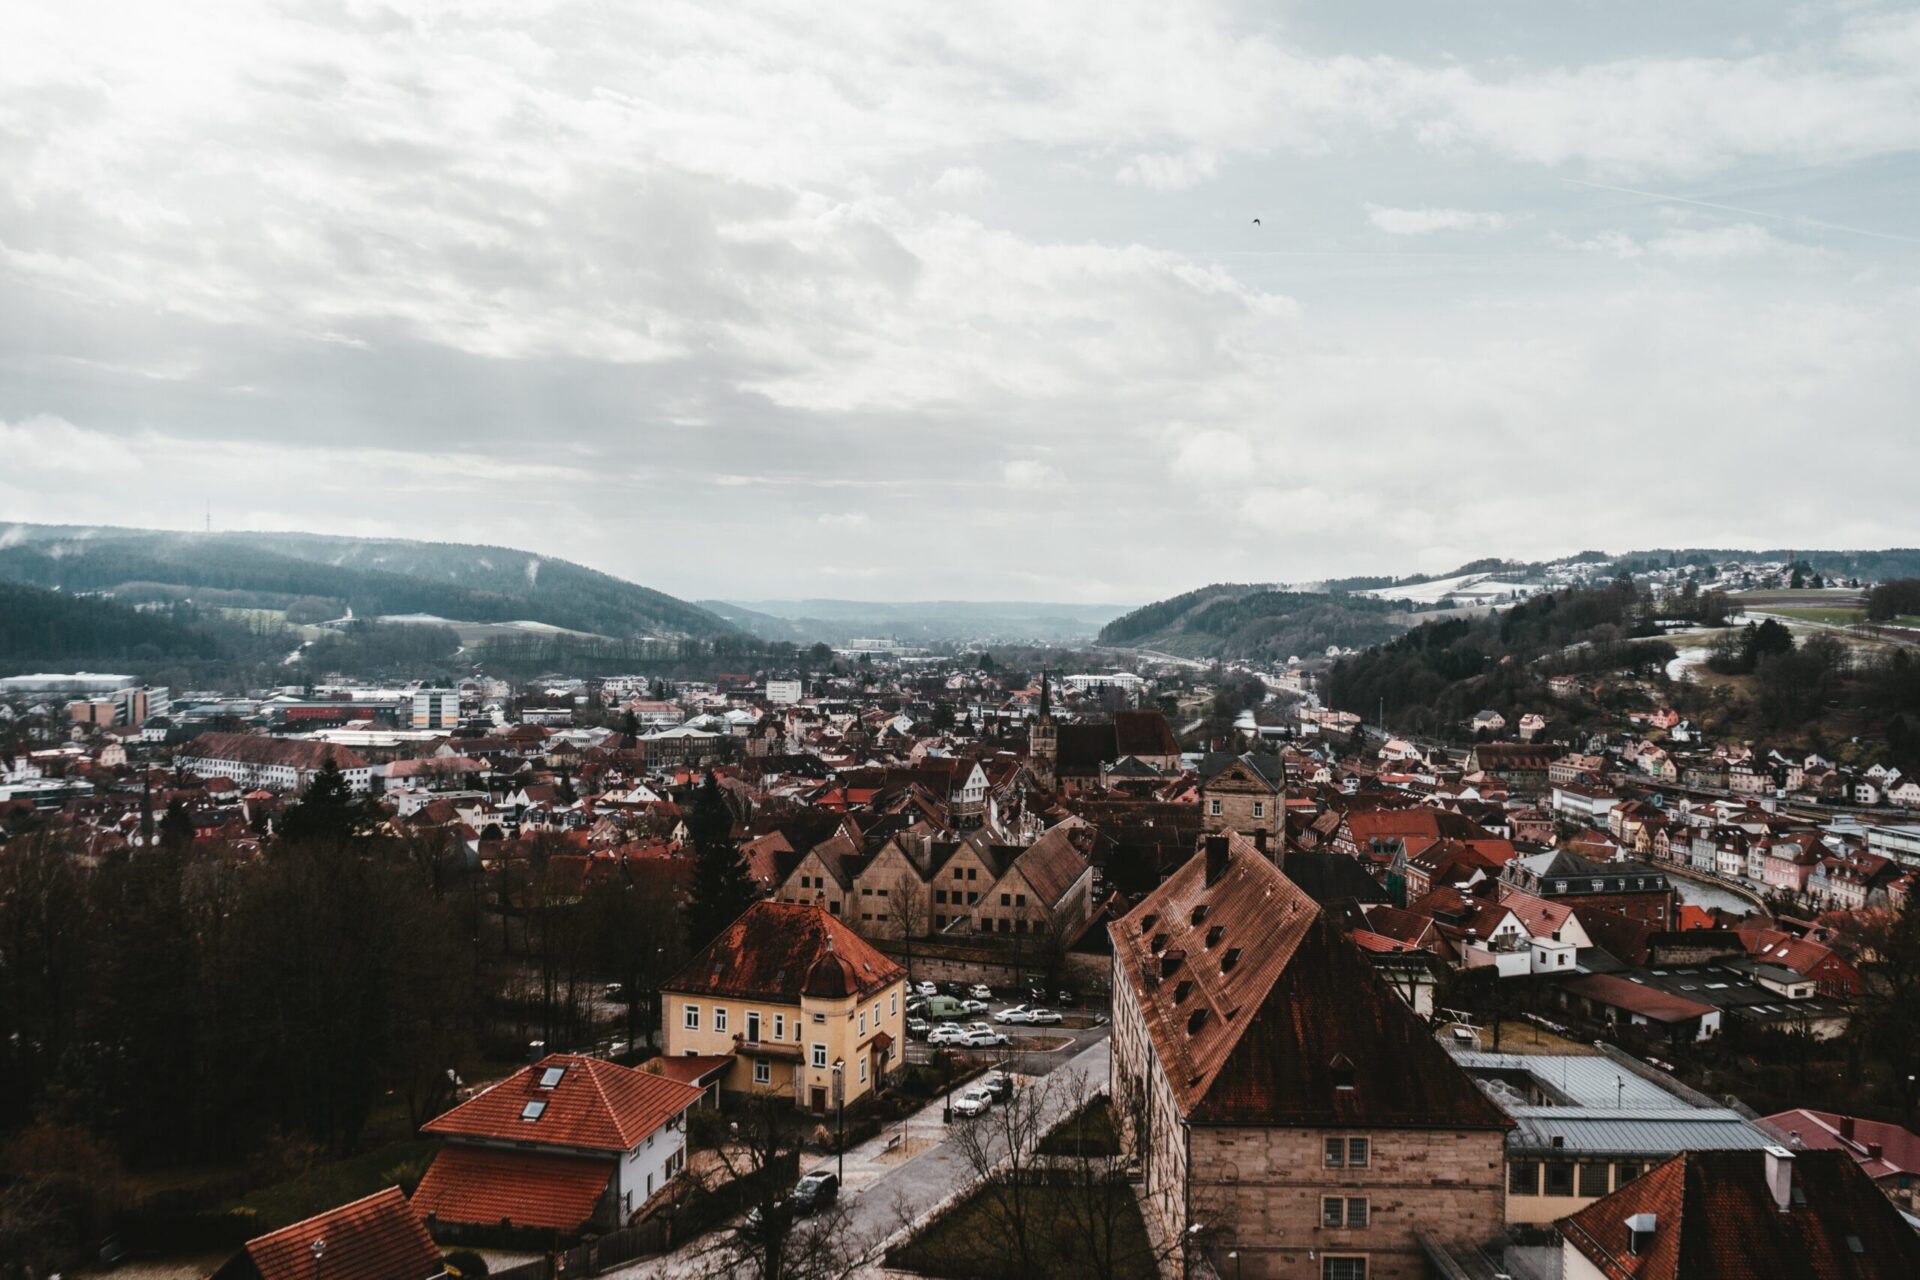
(845,521)
(1162,172)
(1419,222)
(963,180)
(1029,473)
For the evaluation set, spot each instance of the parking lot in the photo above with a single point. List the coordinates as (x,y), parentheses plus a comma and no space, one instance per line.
(1030,1049)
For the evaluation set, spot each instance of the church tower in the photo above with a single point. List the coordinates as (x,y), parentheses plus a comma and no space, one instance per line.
(1043,746)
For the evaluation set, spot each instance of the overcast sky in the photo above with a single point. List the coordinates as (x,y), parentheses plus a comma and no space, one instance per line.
(911,301)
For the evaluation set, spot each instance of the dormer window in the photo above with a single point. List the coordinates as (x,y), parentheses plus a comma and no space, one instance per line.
(1159,943)
(1182,991)
(1148,921)
(1196,1020)
(1199,914)
(1229,960)
(1214,935)
(1342,1071)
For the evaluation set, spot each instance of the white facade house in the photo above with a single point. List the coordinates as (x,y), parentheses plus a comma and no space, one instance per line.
(784,693)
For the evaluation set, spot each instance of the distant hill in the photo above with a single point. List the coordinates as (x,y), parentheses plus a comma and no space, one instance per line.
(314,578)
(50,629)
(1254,621)
(917,622)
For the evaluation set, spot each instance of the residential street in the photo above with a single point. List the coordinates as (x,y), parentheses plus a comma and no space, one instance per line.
(922,1171)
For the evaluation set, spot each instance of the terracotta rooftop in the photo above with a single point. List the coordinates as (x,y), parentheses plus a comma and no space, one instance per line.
(770,951)
(485,1184)
(1262,1012)
(566,1100)
(380,1237)
(1715,1217)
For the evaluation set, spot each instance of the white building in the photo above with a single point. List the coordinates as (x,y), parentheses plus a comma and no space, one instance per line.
(784,693)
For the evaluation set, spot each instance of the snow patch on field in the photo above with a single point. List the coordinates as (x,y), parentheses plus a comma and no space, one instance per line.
(1474,588)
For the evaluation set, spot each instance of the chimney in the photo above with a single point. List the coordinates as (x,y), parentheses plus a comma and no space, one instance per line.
(1780,1176)
(1640,1229)
(1846,1127)
(1216,859)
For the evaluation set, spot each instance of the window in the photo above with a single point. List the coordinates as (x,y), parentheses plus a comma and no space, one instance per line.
(940,896)
(1343,1269)
(1560,1178)
(534,1110)
(1336,1156)
(819,1017)
(550,1078)
(972,898)
(820,1056)
(692,1022)
(1627,1170)
(1006,899)
(1349,1212)
(1259,808)
(719,1018)
(973,873)
(1593,1179)
(1358,1152)
(863,1022)
(1019,899)
(1523,1178)
(1213,808)
(779,1026)
(753,1026)
(863,1070)
(893,1005)
(762,1071)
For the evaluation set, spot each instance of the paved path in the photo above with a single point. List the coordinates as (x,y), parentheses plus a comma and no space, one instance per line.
(923,1174)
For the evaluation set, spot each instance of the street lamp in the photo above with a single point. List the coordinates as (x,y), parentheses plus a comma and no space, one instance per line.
(840,1117)
(1233,1256)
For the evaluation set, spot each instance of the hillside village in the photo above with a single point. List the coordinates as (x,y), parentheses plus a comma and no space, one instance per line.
(1325,999)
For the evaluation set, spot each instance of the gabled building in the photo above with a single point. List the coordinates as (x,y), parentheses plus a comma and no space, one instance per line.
(377,1237)
(796,998)
(1742,1215)
(1281,1098)
(1243,793)
(568,1144)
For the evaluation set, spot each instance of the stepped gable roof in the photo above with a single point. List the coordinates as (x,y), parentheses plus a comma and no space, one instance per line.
(529,1189)
(1262,1013)
(1716,1218)
(769,953)
(377,1237)
(588,1103)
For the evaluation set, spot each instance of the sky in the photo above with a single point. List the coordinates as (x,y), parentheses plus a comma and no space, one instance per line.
(1069,301)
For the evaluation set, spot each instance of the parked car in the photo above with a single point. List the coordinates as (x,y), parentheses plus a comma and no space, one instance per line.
(974,1006)
(1066,998)
(1017,1013)
(999,1086)
(918,1028)
(1039,1016)
(816,1191)
(980,991)
(946,1033)
(982,1038)
(973,1102)
(613,990)
(926,989)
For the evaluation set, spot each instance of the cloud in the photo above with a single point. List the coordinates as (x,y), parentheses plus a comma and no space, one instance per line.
(1693,244)
(1027,473)
(1161,172)
(963,180)
(845,521)
(1419,222)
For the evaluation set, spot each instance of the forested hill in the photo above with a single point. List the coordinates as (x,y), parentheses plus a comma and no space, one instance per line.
(1237,620)
(50,629)
(315,578)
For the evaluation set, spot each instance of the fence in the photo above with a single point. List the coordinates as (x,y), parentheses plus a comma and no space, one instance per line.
(593,1257)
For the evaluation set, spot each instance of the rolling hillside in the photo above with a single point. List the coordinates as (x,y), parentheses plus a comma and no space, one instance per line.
(1229,620)
(314,578)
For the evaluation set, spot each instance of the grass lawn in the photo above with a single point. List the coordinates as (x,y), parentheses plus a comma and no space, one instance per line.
(327,1186)
(1832,617)
(1090,1132)
(967,1242)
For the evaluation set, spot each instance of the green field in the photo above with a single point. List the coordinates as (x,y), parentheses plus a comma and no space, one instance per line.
(1833,617)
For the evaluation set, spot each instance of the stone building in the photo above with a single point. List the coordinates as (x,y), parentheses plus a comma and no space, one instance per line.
(1242,793)
(1285,1105)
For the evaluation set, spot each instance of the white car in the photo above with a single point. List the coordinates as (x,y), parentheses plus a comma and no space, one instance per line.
(1038,1016)
(926,989)
(984,1039)
(980,991)
(1018,1013)
(946,1033)
(973,1006)
(973,1102)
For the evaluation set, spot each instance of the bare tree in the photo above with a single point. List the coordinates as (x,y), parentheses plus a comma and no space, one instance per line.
(907,912)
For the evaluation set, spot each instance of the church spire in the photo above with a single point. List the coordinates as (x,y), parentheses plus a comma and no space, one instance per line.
(1046,703)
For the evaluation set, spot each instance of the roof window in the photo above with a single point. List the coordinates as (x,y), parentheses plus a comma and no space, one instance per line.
(550,1078)
(534,1110)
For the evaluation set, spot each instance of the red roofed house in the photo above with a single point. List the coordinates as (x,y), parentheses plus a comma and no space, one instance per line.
(380,1237)
(1885,1152)
(568,1144)
(1742,1215)
(795,996)
(1279,1094)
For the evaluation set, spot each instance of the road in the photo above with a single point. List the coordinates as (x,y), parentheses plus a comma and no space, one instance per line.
(888,1181)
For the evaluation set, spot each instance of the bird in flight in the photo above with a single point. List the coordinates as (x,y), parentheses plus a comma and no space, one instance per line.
(1256,222)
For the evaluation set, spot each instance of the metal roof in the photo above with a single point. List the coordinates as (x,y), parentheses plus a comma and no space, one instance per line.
(1585,1080)
(1642,1131)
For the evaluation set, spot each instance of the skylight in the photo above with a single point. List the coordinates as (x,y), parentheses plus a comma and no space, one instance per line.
(534,1110)
(550,1078)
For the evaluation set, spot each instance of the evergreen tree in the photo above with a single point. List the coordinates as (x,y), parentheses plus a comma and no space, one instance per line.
(630,724)
(722,888)
(327,811)
(176,827)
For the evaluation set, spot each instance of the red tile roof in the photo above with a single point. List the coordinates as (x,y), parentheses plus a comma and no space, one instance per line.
(1879,1148)
(770,951)
(594,1105)
(1261,1012)
(1715,1218)
(1649,1002)
(380,1237)
(484,1185)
